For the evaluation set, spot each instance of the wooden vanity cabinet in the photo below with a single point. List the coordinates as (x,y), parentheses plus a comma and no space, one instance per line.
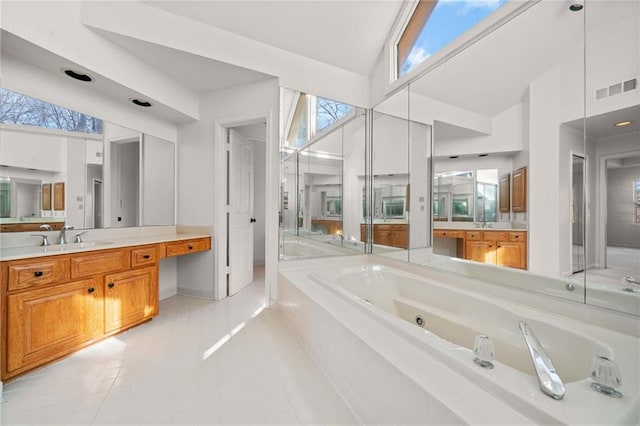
(179,248)
(391,235)
(52,306)
(130,298)
(46,323)
(504,248)
(55,305)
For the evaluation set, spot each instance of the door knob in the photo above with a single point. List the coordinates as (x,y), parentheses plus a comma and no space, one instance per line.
(253,220)
(110,285)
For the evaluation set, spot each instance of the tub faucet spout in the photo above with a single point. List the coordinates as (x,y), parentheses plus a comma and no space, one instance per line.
(548,379)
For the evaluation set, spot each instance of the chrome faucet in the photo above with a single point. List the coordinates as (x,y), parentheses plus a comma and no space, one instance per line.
(45,238)
(548,379)
(45,227)
(629,283)
(63,234)
(79,236)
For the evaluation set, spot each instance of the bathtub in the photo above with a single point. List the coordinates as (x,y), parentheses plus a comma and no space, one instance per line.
(609,297)
(390,295)
(298,247)
(301,247)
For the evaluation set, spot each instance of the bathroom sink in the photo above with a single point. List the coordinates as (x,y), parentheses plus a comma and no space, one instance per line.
(76,246)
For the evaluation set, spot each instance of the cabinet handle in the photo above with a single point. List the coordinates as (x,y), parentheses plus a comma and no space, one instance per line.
(37,274)
(146,256)
(190,247)
(111,285)
(91,290)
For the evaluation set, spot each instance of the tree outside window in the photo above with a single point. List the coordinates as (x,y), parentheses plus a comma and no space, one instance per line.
(16,108)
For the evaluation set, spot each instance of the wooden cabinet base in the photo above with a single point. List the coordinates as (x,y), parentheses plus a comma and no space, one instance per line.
(503,248)
(52,306)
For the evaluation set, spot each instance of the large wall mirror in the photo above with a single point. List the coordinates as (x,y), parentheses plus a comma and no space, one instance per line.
(322,173)
(535,170)
(114,177)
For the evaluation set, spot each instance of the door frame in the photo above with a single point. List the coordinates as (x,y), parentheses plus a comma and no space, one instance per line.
(573,154)
(601,196)
(271,201)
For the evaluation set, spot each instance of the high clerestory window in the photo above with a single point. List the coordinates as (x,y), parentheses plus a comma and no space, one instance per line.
(16,108)
(312,115)
(436,23)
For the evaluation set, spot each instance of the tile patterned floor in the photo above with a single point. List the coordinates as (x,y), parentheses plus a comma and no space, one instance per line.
(198,362)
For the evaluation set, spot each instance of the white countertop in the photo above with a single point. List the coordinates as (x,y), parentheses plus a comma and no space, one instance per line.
(40,219)
(102,242)
(469,226)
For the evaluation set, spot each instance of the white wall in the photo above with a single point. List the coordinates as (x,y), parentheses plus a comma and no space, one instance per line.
(74,183)
(158,181)
(197,179)
(543,175)
(58,27)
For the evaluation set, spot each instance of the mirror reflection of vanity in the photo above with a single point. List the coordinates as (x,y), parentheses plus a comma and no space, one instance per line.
(321,178)
(530,119)
(116,178)
(564,227)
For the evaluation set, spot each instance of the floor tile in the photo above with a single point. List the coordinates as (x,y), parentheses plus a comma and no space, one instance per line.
(198,362)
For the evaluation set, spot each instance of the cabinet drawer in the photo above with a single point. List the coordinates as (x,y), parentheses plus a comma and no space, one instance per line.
(190,246)
(99,262)
(144,256)
(473,235)
(496,235)
(517,236)
(37,272)
(448,233)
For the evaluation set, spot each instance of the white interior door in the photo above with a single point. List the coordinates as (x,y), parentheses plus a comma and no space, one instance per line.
(240,212)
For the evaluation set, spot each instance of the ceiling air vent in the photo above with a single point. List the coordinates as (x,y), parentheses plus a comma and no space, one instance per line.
(617,89)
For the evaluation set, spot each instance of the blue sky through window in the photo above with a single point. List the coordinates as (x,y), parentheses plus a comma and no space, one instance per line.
(448,20)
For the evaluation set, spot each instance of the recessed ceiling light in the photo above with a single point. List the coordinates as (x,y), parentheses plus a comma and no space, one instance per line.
(623,123)
(77,75)
(141,102)
(576,7)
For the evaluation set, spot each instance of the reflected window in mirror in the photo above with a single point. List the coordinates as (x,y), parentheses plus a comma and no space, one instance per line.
(310,115)
(5,197)
(16,108)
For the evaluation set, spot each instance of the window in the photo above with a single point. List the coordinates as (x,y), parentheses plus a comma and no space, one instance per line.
(312,115)
(329,112)
(436,23)
(16,108)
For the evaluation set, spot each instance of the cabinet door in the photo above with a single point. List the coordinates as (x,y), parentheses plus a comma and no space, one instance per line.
(382,236)
(179,248)
(481,251)
(504,204)
(44,324)
(130,298)
(399,239)
(512,254)
(519,190)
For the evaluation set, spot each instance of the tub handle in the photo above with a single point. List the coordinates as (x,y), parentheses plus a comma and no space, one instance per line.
(548,379)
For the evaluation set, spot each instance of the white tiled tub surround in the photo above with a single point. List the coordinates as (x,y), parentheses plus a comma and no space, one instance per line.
(392,371)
